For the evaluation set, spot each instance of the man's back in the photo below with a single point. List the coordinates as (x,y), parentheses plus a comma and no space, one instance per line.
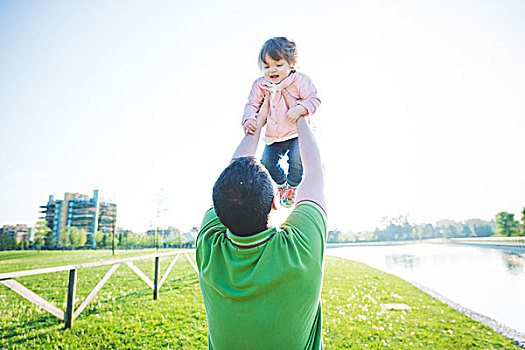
(262,291)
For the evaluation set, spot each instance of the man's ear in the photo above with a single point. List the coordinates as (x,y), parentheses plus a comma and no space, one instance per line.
(274,206)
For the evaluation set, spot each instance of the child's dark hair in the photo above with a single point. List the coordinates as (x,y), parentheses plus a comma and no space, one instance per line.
(279,48)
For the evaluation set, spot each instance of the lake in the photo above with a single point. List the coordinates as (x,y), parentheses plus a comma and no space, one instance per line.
(489,281)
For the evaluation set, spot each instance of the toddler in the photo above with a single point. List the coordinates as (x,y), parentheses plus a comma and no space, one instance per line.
(291,94)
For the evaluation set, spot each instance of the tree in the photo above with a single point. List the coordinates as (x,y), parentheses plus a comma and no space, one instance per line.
(99,236)
(507,225)
(7,243)
(452,231)
(132,239)
(396,229)
(428,231)
(83,237)
(41,231)
(78,237)
(120,237)
(173,237)
(159,210)
(483,230)
(147,241)
(522,224)
(448,228)
(64,239)
(349,237)
(105,240)
(335,236)
(50,241)
(114,242)
(472,223)
(194,233)
(127,239)
(23,244)
(466,231)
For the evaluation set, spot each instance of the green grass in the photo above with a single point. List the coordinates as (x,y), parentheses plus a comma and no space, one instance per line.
(124,315)
(352,294)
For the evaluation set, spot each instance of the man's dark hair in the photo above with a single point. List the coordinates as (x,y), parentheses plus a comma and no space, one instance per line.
(242,197)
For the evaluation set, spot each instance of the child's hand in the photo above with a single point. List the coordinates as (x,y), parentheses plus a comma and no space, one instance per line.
(250,126)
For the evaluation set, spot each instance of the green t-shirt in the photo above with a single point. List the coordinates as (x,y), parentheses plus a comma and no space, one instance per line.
(263,291)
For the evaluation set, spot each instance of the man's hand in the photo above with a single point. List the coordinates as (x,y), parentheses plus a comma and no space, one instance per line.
(249,143)
(263,111)
(295,112)
(250,126)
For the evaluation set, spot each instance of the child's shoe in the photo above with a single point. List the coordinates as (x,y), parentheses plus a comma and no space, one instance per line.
(281,191)
(289,197)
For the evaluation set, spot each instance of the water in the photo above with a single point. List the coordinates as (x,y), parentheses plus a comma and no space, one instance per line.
(488,281)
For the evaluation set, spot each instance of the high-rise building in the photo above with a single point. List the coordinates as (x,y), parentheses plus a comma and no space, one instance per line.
(80,211)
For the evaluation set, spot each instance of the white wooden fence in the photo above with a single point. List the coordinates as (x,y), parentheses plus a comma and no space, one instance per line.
(70,314)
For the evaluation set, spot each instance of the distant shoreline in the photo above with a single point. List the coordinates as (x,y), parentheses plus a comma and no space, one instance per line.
(514,243)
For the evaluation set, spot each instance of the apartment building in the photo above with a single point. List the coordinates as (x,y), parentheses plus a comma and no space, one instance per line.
(80,211)
(18,232)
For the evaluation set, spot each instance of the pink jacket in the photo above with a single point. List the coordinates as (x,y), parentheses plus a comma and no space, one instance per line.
(278,128)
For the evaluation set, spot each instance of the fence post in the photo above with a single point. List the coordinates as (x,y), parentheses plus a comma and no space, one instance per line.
(71,289)
(156,279)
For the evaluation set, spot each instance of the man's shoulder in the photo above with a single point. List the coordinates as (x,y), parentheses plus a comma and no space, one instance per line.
(306,229)
(310,204)
(308,216)
(210,222)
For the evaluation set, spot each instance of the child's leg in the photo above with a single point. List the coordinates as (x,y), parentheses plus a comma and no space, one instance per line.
(270,159)
(295,165)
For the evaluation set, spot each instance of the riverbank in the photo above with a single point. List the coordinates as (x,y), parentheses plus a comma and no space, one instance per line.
(517,337)
(511,243)
(385,243)
(472,276)
(362,308)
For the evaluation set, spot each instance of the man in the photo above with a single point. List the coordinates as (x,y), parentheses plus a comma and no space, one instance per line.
(261,285)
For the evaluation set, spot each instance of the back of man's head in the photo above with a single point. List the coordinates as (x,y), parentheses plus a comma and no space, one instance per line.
(242,197)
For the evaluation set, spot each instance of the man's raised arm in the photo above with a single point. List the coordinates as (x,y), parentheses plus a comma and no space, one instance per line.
(312,187)
(248,145)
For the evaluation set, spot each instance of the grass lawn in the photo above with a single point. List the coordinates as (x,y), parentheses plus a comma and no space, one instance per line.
(124,315)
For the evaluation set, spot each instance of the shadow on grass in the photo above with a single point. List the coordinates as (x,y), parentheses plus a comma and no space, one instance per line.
(8,256)
(42,328)
(174,285)
(43,323)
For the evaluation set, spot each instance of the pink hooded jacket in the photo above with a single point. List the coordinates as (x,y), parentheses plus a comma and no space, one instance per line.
(278,128)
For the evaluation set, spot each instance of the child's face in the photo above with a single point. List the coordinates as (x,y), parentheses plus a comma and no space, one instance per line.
(275,71)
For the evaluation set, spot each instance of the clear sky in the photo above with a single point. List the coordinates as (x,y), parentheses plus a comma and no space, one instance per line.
(423,103)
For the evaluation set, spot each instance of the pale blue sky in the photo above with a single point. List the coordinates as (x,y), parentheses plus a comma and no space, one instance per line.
(423,103)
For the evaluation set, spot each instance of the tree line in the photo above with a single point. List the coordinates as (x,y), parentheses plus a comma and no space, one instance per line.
(401,229)
(75,238)
(394,229)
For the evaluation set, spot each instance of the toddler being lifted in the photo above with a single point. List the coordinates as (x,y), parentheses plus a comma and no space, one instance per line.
(291,94)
